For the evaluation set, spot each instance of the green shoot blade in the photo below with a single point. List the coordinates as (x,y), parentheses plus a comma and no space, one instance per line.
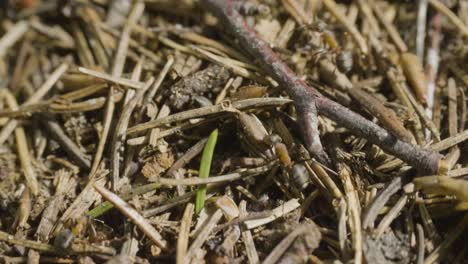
(204,172)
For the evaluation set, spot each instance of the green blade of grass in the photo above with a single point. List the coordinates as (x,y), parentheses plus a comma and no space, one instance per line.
(204,172)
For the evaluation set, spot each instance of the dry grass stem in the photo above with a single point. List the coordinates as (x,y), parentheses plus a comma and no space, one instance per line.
(131,213)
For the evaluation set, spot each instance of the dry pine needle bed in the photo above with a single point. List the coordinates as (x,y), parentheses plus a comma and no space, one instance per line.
(233,131)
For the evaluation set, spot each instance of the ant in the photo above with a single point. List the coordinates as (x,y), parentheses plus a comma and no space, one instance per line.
(343,59)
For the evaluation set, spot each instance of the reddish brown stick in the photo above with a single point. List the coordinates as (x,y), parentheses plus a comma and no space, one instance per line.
(308,100)
(273,65)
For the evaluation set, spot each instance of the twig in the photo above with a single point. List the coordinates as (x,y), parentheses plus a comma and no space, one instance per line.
(296,11)
(379,202)
(85,249)
(113,79)
(216,179)
(121,53)
(22,146)
(420,111)
(252,254)
(114,34)
(108,114)
(281,248)
(414,72)
(23,211)
(157,84)
(129,249)
(429,226)
(208,111)
(316,168)
(117,69)
(184,232)
(118,137)
(366,10)
(40,92)
(442,249)
(66,184)
(352,198)
(390,28)
(421,243)
(238,67)
(436,4)
(397,87)
(241,219)
(173,202)
(355,35)
(386,116)
(154,134)
(304,97)
(191,153)
(201,40)
(203,235)
(390,216)
(47,85)
(450,141)
(13,35)
(131,213)
(66,143)
(432,67)
(454,154)
(279,211)
(273,65)
(341,212)
(458,172)
(421,29)
(452,107)
(80,205)
(106,206)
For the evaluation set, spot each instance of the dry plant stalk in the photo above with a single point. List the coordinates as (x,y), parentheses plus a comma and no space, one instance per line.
(415,73)
(131,213)
(436,4)
(386,116)
(352,30)
(13,35)
(183,239)
(22,146)
(38,94)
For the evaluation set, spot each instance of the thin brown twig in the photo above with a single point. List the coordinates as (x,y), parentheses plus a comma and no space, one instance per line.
(308,100)
(298,90)
(390,216)
(22,146)
(183,239)
(118,137)
(13,35)
(66,143)
(436,4)
(379,202)
(386,116)
(38,94)
(252,254)
(421,246)
(216,179)
(203,235)
(390,28)
(209,111)
(131,213)
(352,30)
(108,114)
(84,249)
